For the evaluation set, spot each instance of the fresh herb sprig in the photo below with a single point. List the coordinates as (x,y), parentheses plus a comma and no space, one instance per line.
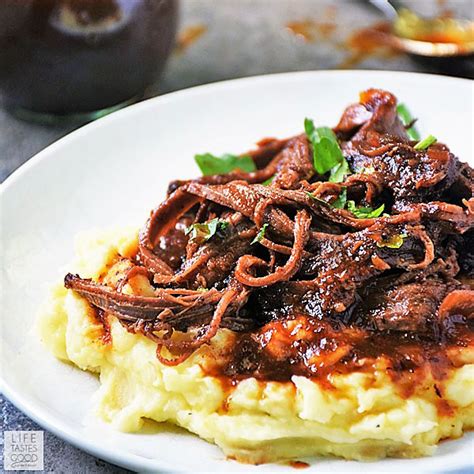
(260,235)
(341,200)
(393,242)
(360,212)
(202,232)
(366,170)
(425,143)
(210,164)
(407,119)
(327,154)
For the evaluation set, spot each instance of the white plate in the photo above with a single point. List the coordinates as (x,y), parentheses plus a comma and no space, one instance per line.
(116,169)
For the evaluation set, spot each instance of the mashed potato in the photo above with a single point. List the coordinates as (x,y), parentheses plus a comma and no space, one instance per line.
(361,417)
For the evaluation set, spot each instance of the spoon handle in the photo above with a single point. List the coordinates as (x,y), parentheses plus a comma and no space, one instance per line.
(388,7)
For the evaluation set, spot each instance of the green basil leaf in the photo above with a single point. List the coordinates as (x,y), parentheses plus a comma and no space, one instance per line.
(364,212)
(260,235)
(203,232)
(425,143)
(393,242)
(210,164)
(327,154)
(406,118)
(268,181)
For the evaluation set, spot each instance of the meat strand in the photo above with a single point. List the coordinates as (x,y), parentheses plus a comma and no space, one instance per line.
(300,265)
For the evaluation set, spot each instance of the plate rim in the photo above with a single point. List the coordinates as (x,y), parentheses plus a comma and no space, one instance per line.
(196,90)
(43,418)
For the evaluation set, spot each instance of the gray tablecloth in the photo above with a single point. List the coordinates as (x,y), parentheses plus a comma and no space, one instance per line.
(242,38)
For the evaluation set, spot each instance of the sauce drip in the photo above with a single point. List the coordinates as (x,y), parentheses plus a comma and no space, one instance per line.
(298,464)
(311,30)
(372,41)
(188,36)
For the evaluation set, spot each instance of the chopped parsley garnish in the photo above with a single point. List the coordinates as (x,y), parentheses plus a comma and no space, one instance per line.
(327,154)
(364,212)
(203,232)
(314,198)
(260,235)
(407,119)
(341,200)
(393,242)
(342,203)
(367,170)
(425,143)
(339,172)
(210,164)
